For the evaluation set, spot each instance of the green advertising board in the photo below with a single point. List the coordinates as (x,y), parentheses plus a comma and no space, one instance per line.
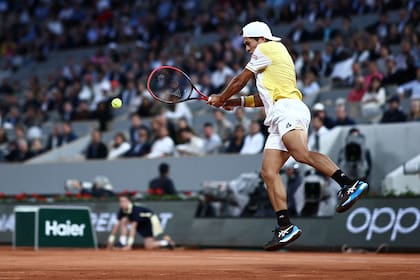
(53,226)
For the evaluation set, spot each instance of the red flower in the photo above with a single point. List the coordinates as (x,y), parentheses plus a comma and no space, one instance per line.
(159,191)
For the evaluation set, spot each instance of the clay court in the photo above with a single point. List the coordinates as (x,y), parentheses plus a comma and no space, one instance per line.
(203,264)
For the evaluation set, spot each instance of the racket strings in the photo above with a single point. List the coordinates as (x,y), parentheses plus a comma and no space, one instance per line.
(170,86)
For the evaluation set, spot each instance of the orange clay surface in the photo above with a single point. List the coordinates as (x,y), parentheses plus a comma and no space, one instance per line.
(203,264)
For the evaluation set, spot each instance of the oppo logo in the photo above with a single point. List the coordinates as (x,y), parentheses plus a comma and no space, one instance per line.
(383,220)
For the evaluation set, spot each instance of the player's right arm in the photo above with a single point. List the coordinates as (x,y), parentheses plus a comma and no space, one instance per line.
(234,86)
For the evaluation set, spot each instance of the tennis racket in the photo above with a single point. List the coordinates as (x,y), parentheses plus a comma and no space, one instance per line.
(170,85)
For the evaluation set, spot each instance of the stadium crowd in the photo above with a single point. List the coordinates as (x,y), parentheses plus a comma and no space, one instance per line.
(368,61)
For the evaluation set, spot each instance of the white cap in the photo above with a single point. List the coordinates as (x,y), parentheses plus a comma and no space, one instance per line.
(258,29)
(318,107)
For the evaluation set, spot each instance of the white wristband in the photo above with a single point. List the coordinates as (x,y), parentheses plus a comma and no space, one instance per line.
(242,101)
(130,241)
(111,238)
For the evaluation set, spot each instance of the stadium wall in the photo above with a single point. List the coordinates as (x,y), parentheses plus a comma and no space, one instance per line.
(373,222)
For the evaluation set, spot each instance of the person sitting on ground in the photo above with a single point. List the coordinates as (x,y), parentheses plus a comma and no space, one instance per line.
(143,221)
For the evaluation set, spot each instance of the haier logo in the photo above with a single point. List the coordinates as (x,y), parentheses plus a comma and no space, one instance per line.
(65,229)
(393,221)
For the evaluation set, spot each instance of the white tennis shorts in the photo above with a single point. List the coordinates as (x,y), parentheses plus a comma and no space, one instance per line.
(284,116)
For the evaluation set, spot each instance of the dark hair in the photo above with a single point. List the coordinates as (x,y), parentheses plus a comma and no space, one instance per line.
(163,168)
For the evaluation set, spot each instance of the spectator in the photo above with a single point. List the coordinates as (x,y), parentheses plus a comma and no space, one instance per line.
(241,118)
(373,101)
(176,111)
(254,140)
(393,113)
(298,33)
(319,131)
(219,76)
(372,72)
(36,147)
(341,117)
(319,109)
(120,146)
(212,141)
(358,91)
(21,152)
(68,134)
(55,138)
(4,141)
(163,145)
(224,127)
(236,141)
(191,144)
(141,146)
(414,114)
(96,148)
(293,182)
(162,184)
(411,88)
(309,86)
(136,124)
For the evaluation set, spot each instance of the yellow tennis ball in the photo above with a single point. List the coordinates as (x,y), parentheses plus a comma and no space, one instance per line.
(116,103)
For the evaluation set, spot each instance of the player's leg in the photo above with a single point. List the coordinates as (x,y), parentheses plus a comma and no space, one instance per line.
(149,230)
(351,189)
(273,161)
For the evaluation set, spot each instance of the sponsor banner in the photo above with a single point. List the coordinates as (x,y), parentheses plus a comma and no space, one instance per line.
(370,223)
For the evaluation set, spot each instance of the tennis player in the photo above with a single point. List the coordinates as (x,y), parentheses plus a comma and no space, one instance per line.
(143,221)
(288,120)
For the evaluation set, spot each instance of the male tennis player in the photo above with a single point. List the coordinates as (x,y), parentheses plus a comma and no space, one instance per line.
(288,119)
(141,220)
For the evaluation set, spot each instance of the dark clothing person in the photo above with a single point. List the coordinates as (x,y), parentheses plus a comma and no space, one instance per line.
(96,151)
(162,184)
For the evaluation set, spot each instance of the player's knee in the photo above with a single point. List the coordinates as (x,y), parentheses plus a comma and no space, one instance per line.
(301,156)
(268,174)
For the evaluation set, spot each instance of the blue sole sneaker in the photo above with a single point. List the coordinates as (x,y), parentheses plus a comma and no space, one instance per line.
(282,237)
(349,195)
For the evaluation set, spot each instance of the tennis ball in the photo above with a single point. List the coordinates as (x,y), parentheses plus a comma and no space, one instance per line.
(116,103)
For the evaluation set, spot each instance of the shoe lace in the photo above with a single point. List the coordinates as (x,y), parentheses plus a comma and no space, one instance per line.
(281,232)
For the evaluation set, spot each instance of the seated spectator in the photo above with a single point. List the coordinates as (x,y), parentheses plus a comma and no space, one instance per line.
(254,140)
(55,139)
(224,127)
(309,86)
(298,33)
(319,109)
(136,124)
(191,145)
(414,114)
(176,111)
(341,117)
(241,118)
(319,131)
(411,88)
(358,91)
(36,147)
(372,72)
(4,141)
(163,145)
(236,141)
(120,146)
(141,146)
(68,134)
(393,113)
(20,152)
(212,141)
(162,184)
(96,148)
(373,101)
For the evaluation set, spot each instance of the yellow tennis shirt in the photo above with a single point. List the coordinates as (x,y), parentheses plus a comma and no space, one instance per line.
(274,72)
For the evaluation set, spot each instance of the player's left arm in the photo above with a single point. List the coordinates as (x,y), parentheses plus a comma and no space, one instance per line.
(131,236)
(244,101)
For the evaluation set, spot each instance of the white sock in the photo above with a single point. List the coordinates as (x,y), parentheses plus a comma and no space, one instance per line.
(163,243)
